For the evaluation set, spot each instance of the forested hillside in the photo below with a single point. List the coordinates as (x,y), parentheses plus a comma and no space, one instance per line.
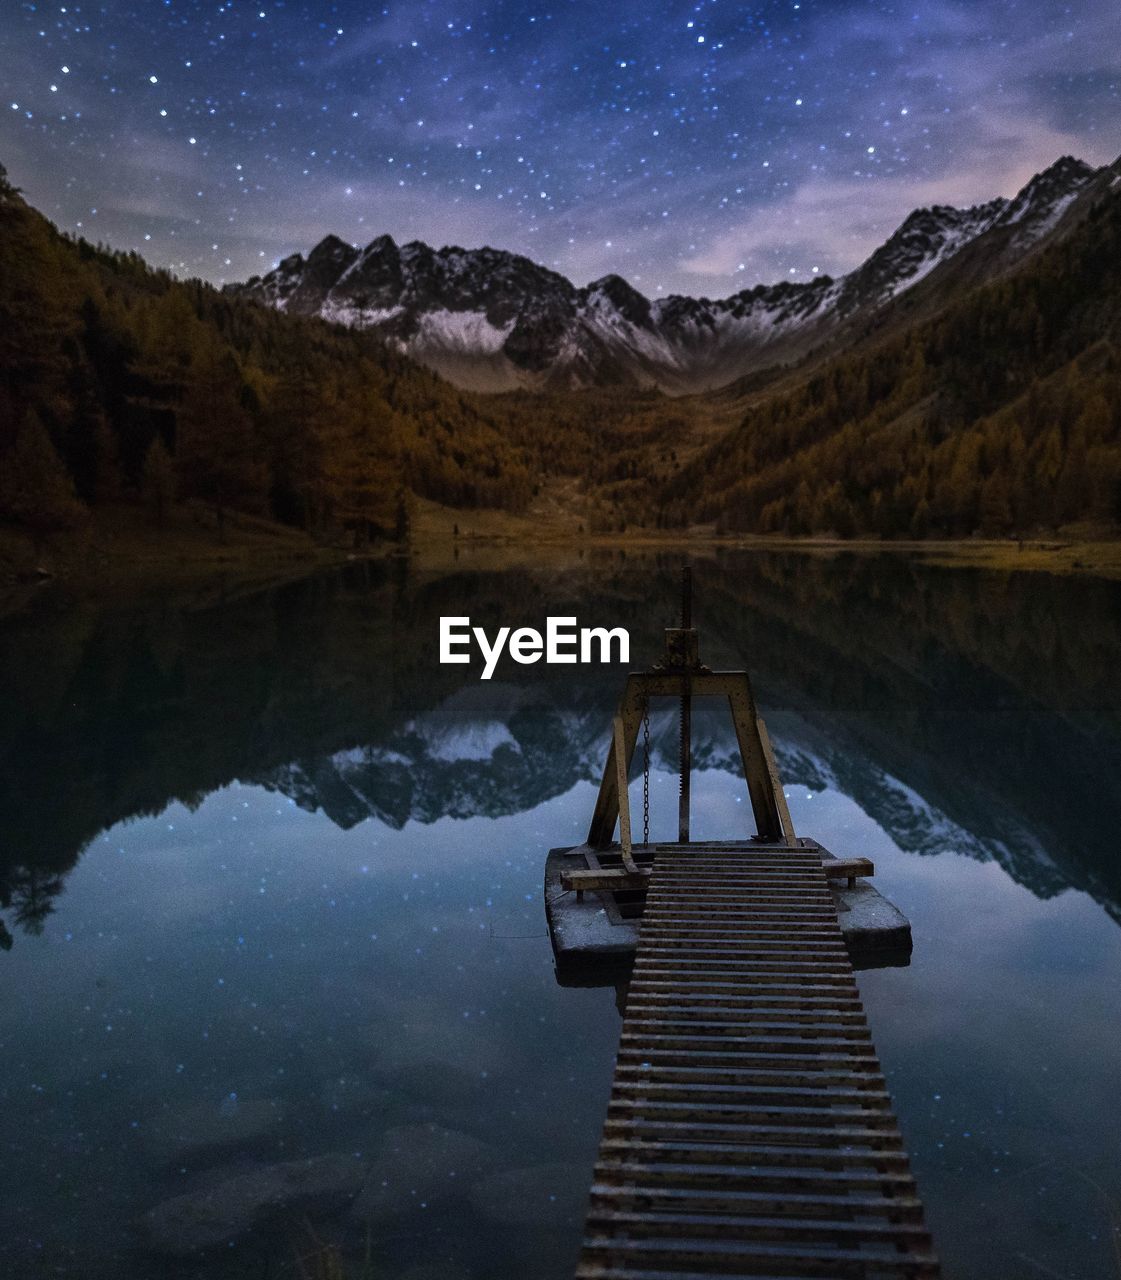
(1000,413)
(119,383)
(992,408)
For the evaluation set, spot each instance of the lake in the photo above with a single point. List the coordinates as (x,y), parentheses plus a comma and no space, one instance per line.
(271,888)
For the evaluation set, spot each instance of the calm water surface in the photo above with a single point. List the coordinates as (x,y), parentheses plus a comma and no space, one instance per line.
(271,888)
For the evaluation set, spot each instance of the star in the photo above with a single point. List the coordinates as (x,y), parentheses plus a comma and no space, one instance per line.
(517,127)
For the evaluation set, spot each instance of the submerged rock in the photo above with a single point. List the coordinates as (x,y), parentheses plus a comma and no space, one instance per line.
(209,1129)
(417,1165)
(545,1195)
(222,1214)
(439,1038)
(354,1093)
(436,1271)
(438,1084)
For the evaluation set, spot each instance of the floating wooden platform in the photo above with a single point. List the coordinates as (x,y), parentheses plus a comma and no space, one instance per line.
(749,1130)
(595,935)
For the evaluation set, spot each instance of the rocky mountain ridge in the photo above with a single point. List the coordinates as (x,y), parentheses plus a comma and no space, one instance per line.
(491,320)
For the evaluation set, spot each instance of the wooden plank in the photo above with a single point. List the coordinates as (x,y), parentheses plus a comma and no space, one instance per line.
(786,826)
(615,881)
(724,1258)
(819,1205)
(606,812)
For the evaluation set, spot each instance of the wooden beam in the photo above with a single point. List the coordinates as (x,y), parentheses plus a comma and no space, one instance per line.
(674,684)
(768,805)
(782,812)
(848,868)
(606,813)
(609,880)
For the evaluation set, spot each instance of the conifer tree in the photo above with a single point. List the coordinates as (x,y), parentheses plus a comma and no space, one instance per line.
(216,456)
(35,490)
(158,485)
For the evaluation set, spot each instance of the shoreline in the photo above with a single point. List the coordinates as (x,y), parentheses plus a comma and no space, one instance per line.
(1084,558)
(552,531)
(126,555)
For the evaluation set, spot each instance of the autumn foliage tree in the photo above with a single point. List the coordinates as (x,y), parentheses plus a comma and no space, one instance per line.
(35,490)
(996,411)
(217,458)
(145,389)
(1002,412)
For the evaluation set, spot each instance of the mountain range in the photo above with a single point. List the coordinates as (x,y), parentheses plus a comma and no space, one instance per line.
(453,763)
(965,379)
(488,320)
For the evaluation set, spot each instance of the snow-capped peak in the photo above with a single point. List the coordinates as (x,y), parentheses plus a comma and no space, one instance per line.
(494,320)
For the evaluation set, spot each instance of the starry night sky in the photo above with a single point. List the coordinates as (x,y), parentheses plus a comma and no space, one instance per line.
(697,147)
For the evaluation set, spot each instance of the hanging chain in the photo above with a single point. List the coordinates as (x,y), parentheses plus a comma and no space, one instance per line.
(646,771)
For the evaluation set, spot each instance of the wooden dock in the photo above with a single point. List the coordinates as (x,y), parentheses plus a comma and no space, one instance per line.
(749,1130)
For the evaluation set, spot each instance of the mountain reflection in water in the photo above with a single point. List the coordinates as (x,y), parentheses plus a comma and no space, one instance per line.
(979,713)
(270,888)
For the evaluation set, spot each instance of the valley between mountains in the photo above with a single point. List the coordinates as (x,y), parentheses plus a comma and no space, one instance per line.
(963,382)
(494,321)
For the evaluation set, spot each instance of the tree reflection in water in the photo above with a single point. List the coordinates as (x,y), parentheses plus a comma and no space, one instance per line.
(989,698)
